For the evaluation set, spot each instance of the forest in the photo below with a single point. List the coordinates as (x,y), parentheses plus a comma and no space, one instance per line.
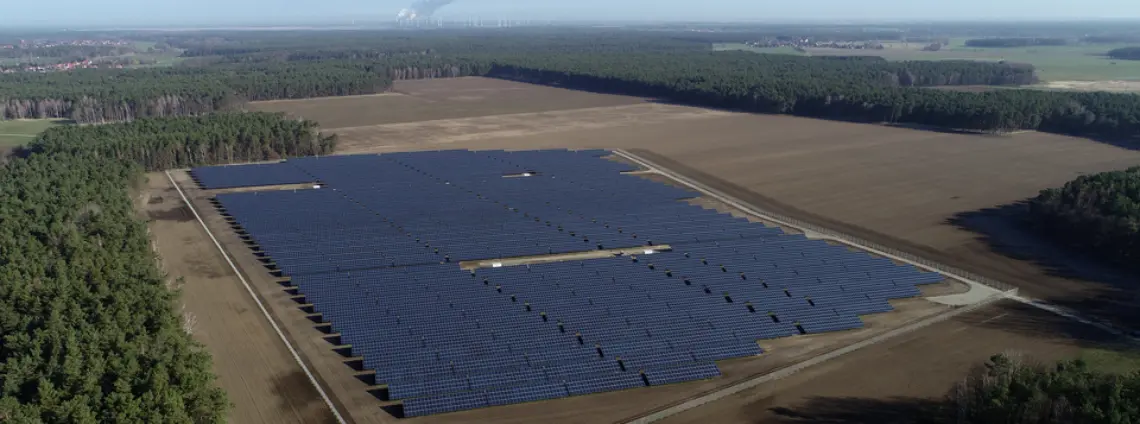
(1015,42)
(104,95)
(177,142)
(850,90)
(1010,390)
(243,67)
(1125,53)
(90,329)
(1097,213)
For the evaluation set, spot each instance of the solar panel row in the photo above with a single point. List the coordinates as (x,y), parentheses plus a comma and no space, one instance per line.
(371,252)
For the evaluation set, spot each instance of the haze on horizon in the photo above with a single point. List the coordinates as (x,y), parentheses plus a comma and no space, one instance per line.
(79,13)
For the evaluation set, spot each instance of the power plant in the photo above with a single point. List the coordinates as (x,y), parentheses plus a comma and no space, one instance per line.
(421,9)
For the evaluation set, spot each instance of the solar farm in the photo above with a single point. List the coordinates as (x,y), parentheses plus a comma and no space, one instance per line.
(382,248)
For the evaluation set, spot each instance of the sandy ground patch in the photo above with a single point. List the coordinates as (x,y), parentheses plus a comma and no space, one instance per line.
(254,367)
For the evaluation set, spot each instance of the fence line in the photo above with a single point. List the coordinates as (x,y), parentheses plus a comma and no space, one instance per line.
(953,271)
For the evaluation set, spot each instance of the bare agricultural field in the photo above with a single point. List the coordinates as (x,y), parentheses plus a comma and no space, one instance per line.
(424,100)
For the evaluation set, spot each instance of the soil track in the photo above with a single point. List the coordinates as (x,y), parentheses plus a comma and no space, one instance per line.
(253,366)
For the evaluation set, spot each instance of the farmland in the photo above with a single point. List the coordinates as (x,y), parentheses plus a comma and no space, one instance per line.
(21,131)
(939,195)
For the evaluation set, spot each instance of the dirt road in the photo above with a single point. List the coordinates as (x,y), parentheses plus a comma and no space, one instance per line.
(253,366)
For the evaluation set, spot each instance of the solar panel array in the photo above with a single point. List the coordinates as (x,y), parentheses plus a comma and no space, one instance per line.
(374,252)
(216,177)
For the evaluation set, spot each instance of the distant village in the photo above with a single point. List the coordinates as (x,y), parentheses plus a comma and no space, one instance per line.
(61,66)
(803,43)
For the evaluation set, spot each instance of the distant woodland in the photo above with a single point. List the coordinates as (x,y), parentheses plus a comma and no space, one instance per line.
(1015,42)
(1125,53)
(1094,213)
(97,95)
(225,73)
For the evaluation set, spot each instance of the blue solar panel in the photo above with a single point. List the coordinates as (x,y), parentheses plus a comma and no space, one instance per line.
(375,250)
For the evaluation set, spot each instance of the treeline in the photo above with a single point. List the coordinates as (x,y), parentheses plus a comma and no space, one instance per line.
(178,142)
(1097,213)
(714,71)
(1016,42)
(1007,390)
(1125,53)
(93,96)
(90,333)
(845,90)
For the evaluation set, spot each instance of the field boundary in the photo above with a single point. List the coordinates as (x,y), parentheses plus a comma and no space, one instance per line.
(265,312)
(816,360)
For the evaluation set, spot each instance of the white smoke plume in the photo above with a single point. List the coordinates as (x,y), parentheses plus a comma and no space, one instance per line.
(422,9)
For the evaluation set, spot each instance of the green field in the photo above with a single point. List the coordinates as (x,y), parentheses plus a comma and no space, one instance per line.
(1113,361)
(770,50)
(21,131)
(1080,62)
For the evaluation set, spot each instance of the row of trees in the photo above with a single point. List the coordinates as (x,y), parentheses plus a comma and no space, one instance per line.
(177,142)
(1008,390)
(1016,42)
(88,321)
(1125,53)
(1097,213)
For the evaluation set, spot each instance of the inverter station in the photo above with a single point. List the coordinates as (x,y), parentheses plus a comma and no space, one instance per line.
(378,247)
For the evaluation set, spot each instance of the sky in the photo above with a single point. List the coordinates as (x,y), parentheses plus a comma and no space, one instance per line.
(204,12)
